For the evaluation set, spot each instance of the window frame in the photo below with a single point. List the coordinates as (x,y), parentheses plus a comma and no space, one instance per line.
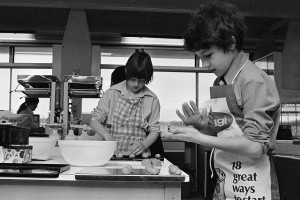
(196,69)
(11,65)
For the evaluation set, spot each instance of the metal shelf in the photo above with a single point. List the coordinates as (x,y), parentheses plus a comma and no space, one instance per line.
(41,86)
(79,87)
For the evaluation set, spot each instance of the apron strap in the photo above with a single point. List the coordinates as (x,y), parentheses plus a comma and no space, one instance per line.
(210,163)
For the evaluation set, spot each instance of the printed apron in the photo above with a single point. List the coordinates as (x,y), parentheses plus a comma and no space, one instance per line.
(127,121)
(239,177)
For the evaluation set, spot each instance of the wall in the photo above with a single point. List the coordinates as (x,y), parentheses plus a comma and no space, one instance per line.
(286,95)
(291,58)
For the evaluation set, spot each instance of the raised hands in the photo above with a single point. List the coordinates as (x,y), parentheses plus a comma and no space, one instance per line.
(192,116)
(198,122)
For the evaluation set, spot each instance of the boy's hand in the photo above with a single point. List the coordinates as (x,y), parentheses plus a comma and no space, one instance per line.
(188,134)
(192,116)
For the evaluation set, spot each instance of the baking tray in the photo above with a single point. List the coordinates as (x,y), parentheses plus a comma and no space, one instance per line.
(32,170)
(116,174)
(136,158)
(37,92)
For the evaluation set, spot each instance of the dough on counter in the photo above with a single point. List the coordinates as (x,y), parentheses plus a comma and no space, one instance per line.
(127,169)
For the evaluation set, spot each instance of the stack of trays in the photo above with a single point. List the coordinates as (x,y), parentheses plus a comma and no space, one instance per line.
(14,146)
(84,86)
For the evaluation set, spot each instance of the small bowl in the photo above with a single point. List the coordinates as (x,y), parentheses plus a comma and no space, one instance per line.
(89,153)
(42,147)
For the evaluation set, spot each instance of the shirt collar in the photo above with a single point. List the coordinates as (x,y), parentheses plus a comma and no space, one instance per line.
(236,65)
(122,88)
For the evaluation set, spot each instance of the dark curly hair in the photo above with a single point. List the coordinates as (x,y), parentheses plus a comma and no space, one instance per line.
(216,24)
(139,65)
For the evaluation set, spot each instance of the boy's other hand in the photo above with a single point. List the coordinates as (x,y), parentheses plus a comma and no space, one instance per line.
(188,134)
(192,116)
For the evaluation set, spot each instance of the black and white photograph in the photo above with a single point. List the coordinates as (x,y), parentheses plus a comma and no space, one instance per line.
(150,99)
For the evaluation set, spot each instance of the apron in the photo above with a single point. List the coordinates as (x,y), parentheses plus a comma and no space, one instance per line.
(127,121)
(239,177)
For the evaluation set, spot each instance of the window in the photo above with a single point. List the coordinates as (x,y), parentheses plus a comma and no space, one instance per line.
(119,56)
(206,81)
(4,89)
(267,64)
(88,104)
(290,116)
(33,55)
(17,97)
(172,88)
(8,74)
(4,54)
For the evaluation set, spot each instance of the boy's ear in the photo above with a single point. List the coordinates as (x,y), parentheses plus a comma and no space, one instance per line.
(232,46)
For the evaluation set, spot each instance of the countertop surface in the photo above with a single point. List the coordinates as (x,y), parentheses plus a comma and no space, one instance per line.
(108,172)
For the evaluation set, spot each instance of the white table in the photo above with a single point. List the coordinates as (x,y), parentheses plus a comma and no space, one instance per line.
(67,187)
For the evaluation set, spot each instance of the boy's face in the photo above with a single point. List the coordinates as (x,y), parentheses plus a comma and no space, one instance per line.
(216,59)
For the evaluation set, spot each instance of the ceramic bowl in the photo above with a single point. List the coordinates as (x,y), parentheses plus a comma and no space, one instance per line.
(87,152)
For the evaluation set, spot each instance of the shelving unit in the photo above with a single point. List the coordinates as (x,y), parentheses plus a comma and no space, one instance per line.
(289,116)
(42,86)
(79,87)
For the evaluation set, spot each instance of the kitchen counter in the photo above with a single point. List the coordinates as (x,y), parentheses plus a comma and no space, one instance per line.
(162,186)
(287,168)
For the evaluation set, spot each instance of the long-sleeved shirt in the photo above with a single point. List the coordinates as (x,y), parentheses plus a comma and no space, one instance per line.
(259,100)
(106,105)
(27,122)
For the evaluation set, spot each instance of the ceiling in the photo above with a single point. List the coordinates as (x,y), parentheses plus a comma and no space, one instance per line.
(108,20)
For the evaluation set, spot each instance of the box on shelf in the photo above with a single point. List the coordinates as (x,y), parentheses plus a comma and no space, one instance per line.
(13,135)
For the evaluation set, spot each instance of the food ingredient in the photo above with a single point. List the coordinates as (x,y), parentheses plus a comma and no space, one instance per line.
(173,169)
(131,156)
(127,169)
(152,170)
(145,155)
(158,156)
(153,162)
(119,155)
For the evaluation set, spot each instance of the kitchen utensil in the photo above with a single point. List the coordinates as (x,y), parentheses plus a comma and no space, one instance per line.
(32,170)
(115,174)
(136,158)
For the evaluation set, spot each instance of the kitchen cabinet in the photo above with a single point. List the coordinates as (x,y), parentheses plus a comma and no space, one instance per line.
(183,154)
(67,187)
(287,169)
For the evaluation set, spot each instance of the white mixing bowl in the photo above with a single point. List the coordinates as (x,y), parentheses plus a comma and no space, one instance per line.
(42,147)
(87,152)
